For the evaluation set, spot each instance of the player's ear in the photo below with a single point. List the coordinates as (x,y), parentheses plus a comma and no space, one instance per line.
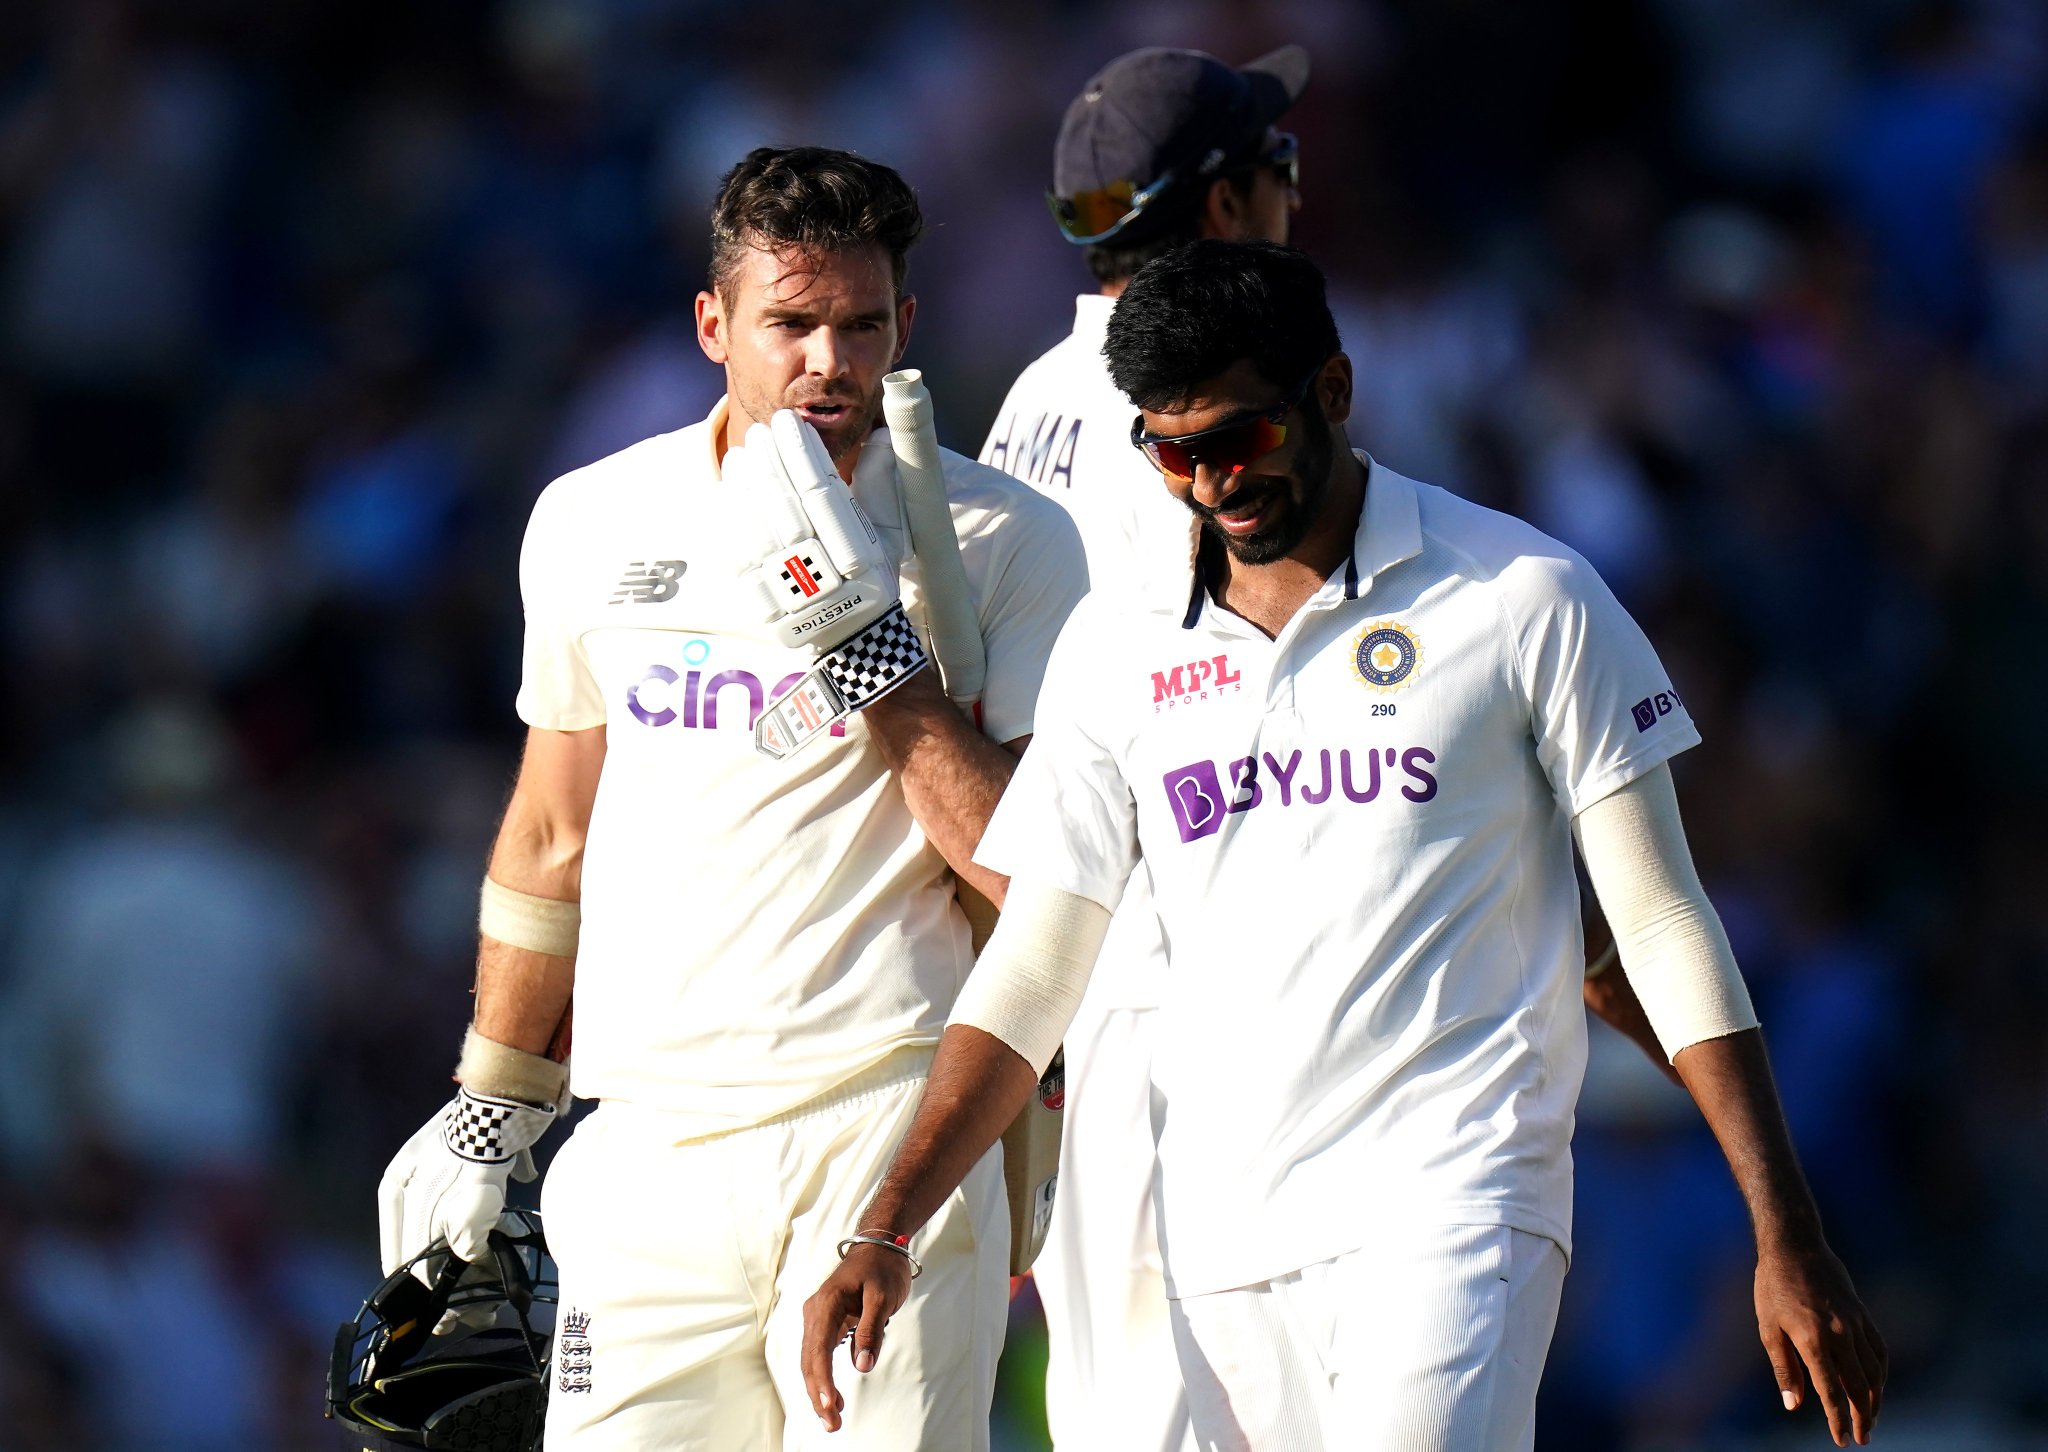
(1224,211)
(711,326)
(906,309)
(1333,387)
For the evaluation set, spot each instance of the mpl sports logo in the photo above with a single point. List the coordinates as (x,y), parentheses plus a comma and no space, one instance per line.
(1651,709)
(1196,680)
(1196,796)
(649,582)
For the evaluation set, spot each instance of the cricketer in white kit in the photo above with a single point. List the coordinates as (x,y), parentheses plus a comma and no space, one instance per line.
(1111,1380)
(1358,827)
(763,951)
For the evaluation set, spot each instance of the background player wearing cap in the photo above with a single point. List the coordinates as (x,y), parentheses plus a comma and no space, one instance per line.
(765,949)
(1360,846)
(1160,148)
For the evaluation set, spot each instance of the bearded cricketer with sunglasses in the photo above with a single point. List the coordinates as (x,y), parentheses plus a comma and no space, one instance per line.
(1359,839)
(1160,148)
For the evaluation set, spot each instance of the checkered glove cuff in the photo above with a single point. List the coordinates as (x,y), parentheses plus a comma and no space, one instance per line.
(876,660)
(487,1131)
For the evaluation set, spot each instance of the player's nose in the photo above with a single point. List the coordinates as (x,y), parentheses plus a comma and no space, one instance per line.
(823,357)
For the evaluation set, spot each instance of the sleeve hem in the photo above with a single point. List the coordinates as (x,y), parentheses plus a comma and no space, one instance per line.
(1616,777)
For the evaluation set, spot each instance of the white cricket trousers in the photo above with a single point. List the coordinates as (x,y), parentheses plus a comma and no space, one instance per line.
(1430,1340)
(685,1267)
(1112,1379)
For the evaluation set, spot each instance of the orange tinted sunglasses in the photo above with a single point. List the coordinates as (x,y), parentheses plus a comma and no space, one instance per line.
(1228,446)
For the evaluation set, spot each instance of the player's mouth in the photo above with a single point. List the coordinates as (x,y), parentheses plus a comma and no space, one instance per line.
(1245,516)
(823,413)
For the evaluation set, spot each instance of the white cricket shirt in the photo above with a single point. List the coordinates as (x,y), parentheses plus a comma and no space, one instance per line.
(1359,843)
(1065,429)
(754,932)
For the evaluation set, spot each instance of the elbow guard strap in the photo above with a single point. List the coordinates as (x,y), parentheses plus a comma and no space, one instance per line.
(521,920)
(1031,976)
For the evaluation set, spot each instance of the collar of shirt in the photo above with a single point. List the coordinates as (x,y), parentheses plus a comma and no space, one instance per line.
(1389,531)
(1091,319)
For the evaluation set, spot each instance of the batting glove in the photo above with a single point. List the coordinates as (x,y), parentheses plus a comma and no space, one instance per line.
(825,580)
(449,1179)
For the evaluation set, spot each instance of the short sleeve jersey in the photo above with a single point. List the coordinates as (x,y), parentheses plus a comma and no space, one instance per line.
(1358,837)
(1065,430)
(754,931)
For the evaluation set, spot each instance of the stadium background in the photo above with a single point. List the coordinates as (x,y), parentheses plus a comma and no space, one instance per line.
(301,304)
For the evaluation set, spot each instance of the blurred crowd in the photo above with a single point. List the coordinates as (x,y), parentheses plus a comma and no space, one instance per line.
(301,305)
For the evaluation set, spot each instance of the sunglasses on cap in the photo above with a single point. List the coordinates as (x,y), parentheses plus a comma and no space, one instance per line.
(1228,446)
(1098,215)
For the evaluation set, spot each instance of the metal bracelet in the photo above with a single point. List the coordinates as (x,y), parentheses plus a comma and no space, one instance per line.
(897,1243)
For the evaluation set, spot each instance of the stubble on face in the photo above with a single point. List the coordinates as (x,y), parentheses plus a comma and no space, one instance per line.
(1300,495)
(779,294)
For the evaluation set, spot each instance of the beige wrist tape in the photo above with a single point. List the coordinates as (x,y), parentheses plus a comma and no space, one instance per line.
(1030,978)
(521,920)
(1671,940)
(503,1072)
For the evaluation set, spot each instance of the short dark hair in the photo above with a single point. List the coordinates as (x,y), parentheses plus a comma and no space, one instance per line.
(1191,314)
(1118,260)
(814,199)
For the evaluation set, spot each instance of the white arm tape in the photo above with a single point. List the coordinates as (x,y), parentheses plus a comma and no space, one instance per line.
(521,920)
(1671,940)
(1029,980)
(500,1071)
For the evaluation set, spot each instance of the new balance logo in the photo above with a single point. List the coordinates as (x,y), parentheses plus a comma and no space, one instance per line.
(649,582)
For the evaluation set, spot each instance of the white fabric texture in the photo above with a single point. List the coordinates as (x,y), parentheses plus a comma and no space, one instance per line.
(687,1266)
(1358,837)
(1031,976)
(521,920)
(1670,937)
(1430,1341)
(754,932)
(1112,1381)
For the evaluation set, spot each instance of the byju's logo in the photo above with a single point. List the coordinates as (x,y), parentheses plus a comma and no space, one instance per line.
(1196,796)
(1651,709)
(1196,679)
(649,582)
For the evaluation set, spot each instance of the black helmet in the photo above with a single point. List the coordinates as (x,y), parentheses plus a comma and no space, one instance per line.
(400,1380)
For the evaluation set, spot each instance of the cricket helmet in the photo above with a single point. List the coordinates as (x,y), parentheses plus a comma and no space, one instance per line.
(400,1380)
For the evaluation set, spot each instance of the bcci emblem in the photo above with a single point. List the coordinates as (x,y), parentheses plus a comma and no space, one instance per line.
(1385,655)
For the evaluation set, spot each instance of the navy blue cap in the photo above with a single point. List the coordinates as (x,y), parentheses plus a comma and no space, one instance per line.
(1158,109)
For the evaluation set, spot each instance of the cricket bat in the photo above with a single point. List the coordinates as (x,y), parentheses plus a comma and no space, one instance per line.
(1031,1145)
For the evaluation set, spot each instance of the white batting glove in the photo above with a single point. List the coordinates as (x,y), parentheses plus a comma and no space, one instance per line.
(449,1179)
(825,582)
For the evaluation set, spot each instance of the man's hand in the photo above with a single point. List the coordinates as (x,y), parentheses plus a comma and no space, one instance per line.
(1808,1315)
(869,1286)
(1813,1324)
(449,1179)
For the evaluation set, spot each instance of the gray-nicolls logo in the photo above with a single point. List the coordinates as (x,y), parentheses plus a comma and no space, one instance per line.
(649,582)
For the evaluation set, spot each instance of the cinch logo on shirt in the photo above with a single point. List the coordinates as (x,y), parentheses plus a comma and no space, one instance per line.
(1196,795)
(1197,679)
(665,696)
(1648,710)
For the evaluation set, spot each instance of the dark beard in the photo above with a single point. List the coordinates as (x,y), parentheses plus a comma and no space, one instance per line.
(1297,516)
